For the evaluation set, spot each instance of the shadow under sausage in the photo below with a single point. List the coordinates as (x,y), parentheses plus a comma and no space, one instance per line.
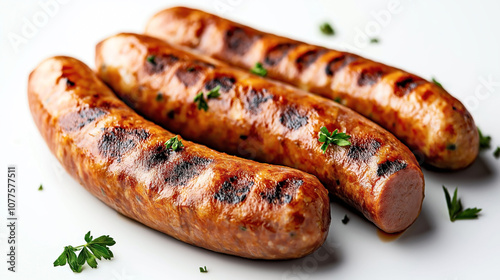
(421,229)
(475,175)
(325,258)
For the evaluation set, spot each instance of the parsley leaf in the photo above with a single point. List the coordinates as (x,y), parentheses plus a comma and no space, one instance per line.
(496,153)
(40,188)
(214,93)
(202,103)
(174,143)
(455,207)
(258,69)
(327,29)
(484,141)
(151,59)
(374,40)
(437,83)
(203,269)
(327,138)
(98,248)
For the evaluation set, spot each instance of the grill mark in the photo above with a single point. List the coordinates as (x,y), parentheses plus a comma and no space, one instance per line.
(364,150)
(370,76)
(283,192)
(76,120)
(308,58)
(160,62)
(406,85)
(157,155)
(254,98)
(234,190)
(189,75)
(185,170)
(226,83)
(238,41)
(292,119)
(337,63)
(116,141)
(276,53)
(390,167)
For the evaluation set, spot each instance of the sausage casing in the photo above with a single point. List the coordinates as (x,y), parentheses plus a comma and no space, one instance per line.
(202,197)
(267,121)
(421,114)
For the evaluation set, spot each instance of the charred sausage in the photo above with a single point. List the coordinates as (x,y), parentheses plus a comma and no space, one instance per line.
(264,120)
(421,114)
(202,197)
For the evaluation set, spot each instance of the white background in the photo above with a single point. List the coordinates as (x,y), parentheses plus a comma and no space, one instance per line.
(455,41)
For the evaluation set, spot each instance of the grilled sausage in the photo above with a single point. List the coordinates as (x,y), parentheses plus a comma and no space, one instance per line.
(202,197)
(266,121)
(421,114)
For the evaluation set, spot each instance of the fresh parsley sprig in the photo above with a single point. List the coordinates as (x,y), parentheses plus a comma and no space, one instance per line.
(174,143)
(437,83)
(213,93)
(496,153)
(327,29)
(202,102)
(484,140)
(455,207)
(203,269)
(94,250)
(151,59)
(258,69)
(327,138)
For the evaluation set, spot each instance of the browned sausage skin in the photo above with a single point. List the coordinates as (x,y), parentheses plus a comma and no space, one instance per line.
(202,197)
(268,121)
(421,114)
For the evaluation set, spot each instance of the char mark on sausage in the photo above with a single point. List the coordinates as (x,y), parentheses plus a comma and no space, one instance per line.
(308,58)
(406,84)
(116,141)
(338,63)
(363,150)
(234,190)
(76,120)
(292,118)
(254,98)
(283,192)
(276,53)
(225,82)
(238,41)
(189,75)
(185,170)
(390,167)
(158,63)
(370,76)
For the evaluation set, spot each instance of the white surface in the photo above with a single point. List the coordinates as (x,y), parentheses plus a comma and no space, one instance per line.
(455,41)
